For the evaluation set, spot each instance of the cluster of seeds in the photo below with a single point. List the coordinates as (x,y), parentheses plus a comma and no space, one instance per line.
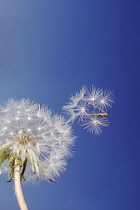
(41,141)
(90,108)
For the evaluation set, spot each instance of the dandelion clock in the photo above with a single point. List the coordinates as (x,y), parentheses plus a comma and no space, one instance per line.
(34,143)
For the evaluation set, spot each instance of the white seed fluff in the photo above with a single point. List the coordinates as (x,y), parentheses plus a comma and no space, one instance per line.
(32,133)
(89,107)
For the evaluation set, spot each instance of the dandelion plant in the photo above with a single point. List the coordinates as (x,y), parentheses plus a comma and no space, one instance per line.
(34,143)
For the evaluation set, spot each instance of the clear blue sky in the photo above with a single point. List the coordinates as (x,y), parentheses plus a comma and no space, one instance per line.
(49,50)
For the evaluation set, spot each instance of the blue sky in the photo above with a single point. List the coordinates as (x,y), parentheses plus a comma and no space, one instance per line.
(49,50)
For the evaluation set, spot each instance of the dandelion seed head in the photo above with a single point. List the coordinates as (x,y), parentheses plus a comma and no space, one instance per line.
(44,141)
